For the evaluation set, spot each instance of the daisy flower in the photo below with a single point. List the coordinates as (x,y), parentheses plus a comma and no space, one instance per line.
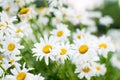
(18,74)
(104,46)
(6,24)
(85,70)
(79,34)
(11,46)
(64,52)
(58,17)
(23,29)
(84,51)
(100,69)
(6,20)
(8,6)
(13,60)
(45,49)
(61,32)
(25,14)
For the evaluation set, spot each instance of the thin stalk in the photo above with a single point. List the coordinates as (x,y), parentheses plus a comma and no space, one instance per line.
(45,2)
(34,32)
(28,64)
(38,26)
(3,69)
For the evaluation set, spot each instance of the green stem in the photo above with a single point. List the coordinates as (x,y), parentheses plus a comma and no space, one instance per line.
(28,64)
(45,2)
(3,69)
(34,32)
(38,26)
(69,70)
(27,44)
(81,26)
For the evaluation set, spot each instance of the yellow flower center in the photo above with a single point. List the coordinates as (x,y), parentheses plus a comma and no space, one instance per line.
(64,15)
(1,26)
(11,61)
(78,16)
(59,33)
(1,58)
(11,46)
(86,69)
(79,36)
(63,51)
(57,19)
(98,68)
(46,49)
(21,76)
(103,45)
(83,49)
(24,11)
(7,8)
(18,30)
(41,8)
(6,23)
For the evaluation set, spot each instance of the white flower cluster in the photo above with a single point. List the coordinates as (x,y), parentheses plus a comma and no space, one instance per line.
(10,51)
(84,52)
(115,60)
(51,32)
(79,12)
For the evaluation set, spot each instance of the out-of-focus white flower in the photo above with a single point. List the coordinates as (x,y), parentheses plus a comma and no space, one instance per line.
(11,46)
(6,23)
(56,3)
(115,34)
(94,14)
(22,3)
(92,28)
(1,37)
(99,69)
(105,45)
(115,60)
(42,11)
(61,32)
(24,28)
(10,7)
(43,20)
(13,60)
(84,4)
(64,52)
(6,20)
(58,17)
(85,70)
(26,13)
(106,21)
(79,34)
(84,51)
(3,63)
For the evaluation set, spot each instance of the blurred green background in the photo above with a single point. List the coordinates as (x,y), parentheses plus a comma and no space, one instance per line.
(112,8)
